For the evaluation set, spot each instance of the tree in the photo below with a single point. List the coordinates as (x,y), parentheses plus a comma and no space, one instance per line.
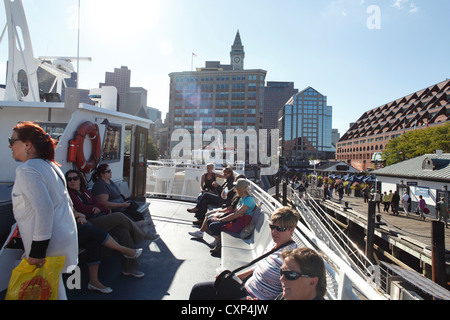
(416,143)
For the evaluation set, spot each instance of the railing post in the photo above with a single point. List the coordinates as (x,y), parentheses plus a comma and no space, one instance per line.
(439,274)
(284,193)
(277,187)
(370,231)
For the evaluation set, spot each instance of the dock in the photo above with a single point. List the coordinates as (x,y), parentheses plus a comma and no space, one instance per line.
(402,240)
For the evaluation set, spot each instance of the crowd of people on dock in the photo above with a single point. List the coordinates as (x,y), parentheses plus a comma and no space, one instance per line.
(392,201)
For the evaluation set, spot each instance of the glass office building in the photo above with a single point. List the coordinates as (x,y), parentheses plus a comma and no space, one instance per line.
(305,125)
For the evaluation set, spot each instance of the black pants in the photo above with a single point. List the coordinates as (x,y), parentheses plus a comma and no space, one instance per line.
(206,200)
(92,239)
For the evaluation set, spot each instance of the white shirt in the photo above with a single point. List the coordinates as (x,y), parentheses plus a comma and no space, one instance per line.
(43,210)
(405,198)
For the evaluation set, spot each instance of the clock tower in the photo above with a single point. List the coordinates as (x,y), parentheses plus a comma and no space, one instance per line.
(237,53)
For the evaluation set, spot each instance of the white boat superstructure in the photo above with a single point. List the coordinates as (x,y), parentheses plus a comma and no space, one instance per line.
(86,134)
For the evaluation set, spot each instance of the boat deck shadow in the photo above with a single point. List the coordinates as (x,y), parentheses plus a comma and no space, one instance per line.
(172,264)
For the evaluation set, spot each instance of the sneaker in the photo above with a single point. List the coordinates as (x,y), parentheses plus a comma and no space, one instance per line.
(136,274)
(196,234)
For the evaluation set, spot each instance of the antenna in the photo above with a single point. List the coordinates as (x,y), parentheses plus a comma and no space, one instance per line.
(78,46)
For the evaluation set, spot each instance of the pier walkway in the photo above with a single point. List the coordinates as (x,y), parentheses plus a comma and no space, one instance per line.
(408,227)
(399,234)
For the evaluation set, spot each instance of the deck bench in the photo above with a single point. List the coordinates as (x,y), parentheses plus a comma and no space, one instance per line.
(236,251)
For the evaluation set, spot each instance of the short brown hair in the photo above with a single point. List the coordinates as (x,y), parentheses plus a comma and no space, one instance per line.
(285,217)
(311,263)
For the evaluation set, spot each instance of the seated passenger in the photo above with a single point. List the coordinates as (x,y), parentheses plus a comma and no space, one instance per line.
(230,206)
(97,213)
(208,182)
(236,220)
(127,232)
(264,278)
(108,194)
(213,199)
(92,239)
(303,275)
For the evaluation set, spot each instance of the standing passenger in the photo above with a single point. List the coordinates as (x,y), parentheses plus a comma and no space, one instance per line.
(41,203)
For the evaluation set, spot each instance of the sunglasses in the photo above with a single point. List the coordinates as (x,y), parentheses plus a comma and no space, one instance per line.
(12,141)
(108,171)
(292,275)
(279,229)
(76,178)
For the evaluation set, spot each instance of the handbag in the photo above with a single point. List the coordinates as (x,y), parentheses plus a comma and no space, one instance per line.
(29,282)
(228,286)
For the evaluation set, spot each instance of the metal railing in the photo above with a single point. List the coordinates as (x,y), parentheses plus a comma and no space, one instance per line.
(320,223)
(343,282)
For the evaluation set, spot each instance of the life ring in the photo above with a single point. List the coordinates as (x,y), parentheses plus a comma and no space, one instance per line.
(76,148)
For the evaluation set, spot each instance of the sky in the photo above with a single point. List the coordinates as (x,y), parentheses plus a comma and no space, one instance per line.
(361,54)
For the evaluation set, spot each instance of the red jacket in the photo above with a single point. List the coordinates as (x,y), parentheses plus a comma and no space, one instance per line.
(84,202)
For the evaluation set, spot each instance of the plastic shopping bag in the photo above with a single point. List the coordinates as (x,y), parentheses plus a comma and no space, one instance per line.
(32,283)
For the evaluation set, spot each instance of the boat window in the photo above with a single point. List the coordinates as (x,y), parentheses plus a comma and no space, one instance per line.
(111,144)
(22,81)
(55,130)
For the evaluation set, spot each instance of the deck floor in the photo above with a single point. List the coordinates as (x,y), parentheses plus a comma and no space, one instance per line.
(172,265)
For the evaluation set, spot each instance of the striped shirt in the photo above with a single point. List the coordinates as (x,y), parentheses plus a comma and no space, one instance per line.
(265,282)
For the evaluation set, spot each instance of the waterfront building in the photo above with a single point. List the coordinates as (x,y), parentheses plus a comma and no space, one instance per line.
(305,124)
(219,96)
(362,145)
(276,94)
(427,175)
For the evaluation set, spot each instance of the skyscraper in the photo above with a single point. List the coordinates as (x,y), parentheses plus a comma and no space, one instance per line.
(220,96)
(276,94)
(120,79)
(305,124)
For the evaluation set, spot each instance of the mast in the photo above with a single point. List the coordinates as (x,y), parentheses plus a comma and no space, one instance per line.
(21,78)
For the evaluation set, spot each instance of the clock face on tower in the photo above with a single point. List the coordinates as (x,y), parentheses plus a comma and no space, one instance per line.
(237,59)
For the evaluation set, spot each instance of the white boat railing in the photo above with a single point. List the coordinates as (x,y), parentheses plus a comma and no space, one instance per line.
(343,282)
(331,234)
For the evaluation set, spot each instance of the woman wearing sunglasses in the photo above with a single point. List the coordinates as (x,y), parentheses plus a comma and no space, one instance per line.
(263,280)
(302,275)
(41,203)
(101,217)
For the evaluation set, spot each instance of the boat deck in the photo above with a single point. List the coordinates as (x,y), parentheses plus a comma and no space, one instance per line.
(172,265)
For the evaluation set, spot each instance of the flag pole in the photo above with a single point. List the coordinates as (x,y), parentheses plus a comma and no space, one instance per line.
(192,61)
